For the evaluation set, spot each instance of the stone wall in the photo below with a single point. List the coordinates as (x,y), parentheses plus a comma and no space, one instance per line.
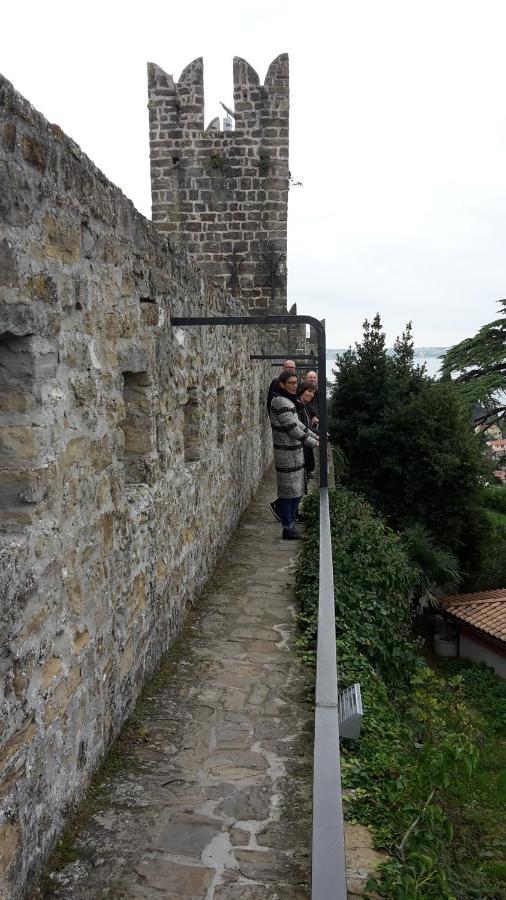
(224,194)
(127,451)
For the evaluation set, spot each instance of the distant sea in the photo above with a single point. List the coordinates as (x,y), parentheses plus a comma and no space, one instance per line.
(428,355)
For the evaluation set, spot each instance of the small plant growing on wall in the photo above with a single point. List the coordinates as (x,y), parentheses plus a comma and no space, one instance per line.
(219,164)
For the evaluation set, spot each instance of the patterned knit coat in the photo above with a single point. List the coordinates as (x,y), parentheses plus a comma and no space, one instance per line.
(289,436)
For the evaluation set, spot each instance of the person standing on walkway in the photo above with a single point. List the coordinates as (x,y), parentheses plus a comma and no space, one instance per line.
(288,366)
(305,396)
(289,437)
(314,407)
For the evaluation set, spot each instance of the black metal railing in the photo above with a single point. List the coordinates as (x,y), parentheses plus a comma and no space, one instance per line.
(328,867)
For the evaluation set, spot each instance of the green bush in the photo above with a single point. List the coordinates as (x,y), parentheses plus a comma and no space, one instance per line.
(418,737)
(372,582)
(494,497)
(408,446)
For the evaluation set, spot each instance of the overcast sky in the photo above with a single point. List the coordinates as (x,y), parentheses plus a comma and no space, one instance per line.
(398,133)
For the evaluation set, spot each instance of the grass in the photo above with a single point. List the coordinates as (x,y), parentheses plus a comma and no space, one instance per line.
(498,519)
(477,809)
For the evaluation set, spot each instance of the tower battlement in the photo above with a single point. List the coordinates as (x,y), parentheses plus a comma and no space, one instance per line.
(223,195)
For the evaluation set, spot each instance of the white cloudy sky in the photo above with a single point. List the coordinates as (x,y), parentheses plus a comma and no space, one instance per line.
(398,133)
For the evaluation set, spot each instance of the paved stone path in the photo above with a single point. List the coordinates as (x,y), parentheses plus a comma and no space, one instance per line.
(215,800)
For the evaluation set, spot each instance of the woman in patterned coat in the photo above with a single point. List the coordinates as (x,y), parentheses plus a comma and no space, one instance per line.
(289,436)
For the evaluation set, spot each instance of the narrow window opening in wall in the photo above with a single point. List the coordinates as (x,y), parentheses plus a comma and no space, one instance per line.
(191,432)
(137,425)
(20,488)
(220,411)
(17,371)
(148,300)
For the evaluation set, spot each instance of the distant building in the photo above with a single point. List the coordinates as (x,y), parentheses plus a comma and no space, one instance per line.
(497,449)
(481,621)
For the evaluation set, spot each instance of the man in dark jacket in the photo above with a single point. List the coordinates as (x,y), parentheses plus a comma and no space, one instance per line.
(288,366)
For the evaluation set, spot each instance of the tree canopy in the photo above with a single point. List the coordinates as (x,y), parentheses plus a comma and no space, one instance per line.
(407,443)
(478,364)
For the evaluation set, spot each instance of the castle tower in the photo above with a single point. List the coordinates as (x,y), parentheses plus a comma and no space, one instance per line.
(223,195)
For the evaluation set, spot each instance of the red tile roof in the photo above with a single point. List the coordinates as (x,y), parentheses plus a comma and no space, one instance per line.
(484,611)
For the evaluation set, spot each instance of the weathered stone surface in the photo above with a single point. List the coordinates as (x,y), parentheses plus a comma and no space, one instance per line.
(9,840)
(250,803)
(169,824)
(267,865)
(180,880)
(34,151)
(224,195)
(362,858)
(187,836)
(8,265)
(106,535)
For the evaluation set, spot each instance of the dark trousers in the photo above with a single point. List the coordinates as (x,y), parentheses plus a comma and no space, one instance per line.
(288,509)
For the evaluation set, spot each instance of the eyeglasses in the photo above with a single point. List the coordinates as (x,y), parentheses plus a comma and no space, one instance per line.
(291,382)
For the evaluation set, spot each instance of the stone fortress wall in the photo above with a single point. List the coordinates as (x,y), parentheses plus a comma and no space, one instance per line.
(223,195)
(128,450)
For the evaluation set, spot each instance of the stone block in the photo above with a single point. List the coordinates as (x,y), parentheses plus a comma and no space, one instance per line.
(74,595)
(76,451)
(151,314)
(34,151)
(16,401)
(9,847)
(81,640)
(17,742)
(42,287)
(61,241)
(50,671)
(8,265)
(57,704)
(9,136)
(34,624)
(362,859)
(191,882)
(18,443)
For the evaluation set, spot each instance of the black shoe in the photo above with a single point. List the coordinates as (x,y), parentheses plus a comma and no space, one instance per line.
(291,534)
(274,510)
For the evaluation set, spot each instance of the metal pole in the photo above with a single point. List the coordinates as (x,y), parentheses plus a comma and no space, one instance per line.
(281,359)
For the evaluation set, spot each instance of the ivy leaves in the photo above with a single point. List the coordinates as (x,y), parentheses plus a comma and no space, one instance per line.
(420,735)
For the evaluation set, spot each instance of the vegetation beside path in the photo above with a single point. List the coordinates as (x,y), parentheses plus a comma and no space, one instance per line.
(428,774)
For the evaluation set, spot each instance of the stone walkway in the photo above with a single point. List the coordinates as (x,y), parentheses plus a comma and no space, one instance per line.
(212,796)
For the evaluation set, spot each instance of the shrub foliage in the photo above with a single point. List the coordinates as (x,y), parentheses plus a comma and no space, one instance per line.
(408,445)
(419,737)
